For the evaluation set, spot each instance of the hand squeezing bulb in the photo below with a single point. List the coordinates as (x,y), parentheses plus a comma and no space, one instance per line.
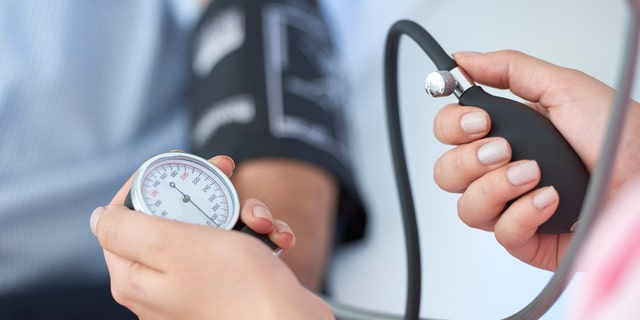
(531,136)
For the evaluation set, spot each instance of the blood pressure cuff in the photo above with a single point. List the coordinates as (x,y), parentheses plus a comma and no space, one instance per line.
(265,85)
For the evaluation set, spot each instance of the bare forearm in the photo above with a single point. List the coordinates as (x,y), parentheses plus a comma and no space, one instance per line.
(303,195)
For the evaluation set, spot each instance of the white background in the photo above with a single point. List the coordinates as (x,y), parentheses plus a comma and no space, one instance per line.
(466,274)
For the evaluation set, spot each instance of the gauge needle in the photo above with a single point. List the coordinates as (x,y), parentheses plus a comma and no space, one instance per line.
(187,198)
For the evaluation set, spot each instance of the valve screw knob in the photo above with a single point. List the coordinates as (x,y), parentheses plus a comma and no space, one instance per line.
(440,83)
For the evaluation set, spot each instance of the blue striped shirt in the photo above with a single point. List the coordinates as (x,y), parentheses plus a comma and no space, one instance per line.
(88,90)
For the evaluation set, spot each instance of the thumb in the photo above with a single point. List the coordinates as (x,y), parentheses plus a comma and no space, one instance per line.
(135,236)
(530,78)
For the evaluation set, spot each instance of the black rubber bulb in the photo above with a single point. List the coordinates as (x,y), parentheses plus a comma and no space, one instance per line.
(533,136)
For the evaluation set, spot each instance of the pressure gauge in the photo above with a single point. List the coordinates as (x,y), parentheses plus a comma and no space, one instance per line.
(187,188)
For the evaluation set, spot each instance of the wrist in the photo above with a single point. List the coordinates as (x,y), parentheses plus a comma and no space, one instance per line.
(300,304)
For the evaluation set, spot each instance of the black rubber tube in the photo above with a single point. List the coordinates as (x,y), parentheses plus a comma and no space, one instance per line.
(412,241)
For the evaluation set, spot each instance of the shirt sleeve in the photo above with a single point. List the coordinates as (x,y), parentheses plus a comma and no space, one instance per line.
(266,84)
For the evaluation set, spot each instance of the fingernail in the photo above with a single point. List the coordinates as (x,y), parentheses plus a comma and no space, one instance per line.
(493,152)
(474,122)
(522,173)
(282,227)
(95,216)
(545,197)
(260,211)
(463,54)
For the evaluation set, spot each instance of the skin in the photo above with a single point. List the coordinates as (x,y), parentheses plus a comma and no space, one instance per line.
(176,270)
(306,197)
(576,104)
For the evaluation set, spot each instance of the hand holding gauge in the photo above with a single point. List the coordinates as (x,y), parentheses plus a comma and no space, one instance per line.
(187,188)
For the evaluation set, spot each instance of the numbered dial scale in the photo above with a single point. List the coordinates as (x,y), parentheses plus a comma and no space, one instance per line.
(187,188)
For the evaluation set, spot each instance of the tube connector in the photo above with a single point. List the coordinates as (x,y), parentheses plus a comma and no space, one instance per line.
(443,83)
(440,84)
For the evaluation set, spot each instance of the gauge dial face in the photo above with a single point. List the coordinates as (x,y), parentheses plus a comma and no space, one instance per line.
(186,188)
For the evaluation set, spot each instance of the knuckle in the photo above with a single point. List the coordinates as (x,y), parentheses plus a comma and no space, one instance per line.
(444,127)
(450,173)
(120,295)
(486,191)
(107,236)
(464,214)
(439,174)
(501,238)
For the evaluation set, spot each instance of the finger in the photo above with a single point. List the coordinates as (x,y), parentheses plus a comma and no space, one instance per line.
(131,282)
(541,82)
(519,223)
(258,217)
(456,169)
(224,163)
(139,237)
(283,236)
(516,230)
(528,77)
(455,124)
(136,286)
(482,203)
